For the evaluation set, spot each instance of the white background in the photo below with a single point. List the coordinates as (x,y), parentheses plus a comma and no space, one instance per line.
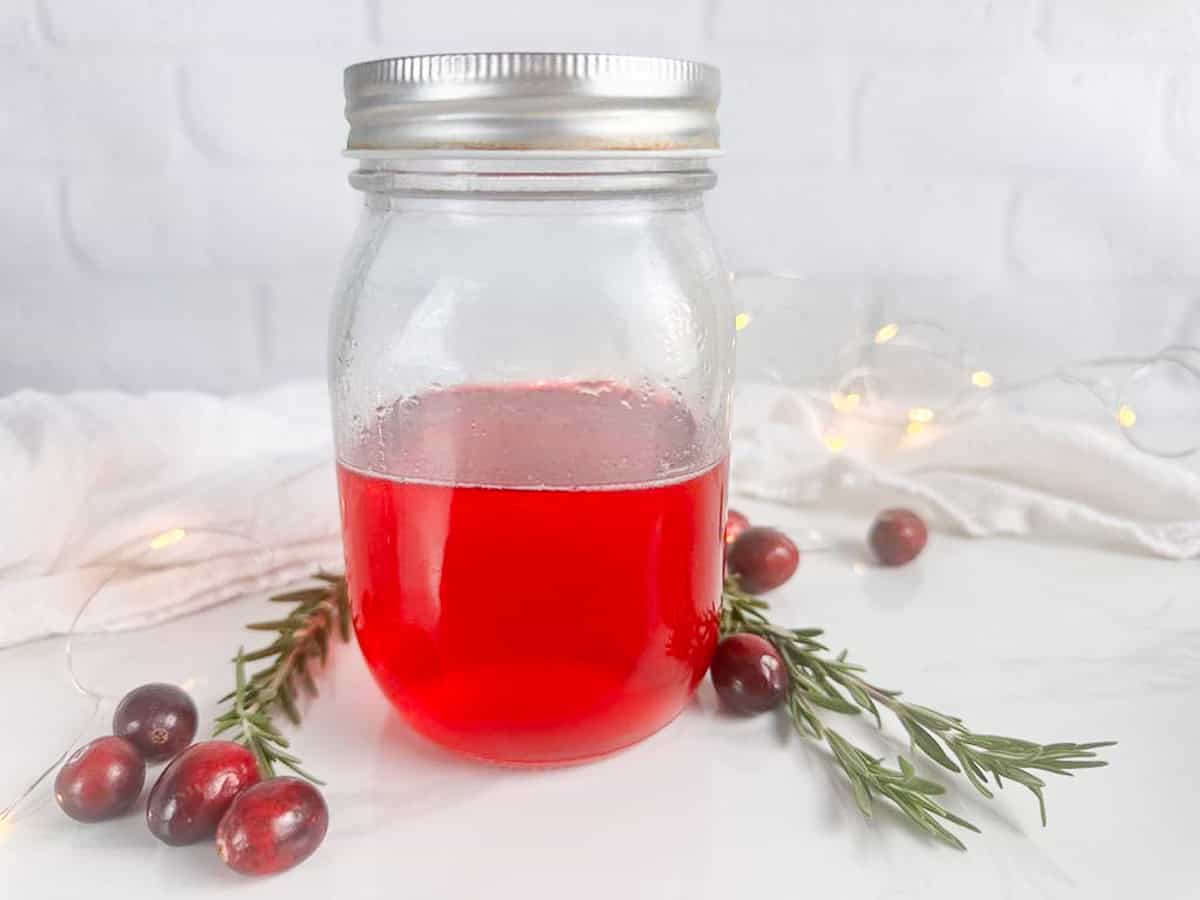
(1025,171)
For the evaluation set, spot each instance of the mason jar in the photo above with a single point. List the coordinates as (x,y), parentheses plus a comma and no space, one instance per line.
(531,364)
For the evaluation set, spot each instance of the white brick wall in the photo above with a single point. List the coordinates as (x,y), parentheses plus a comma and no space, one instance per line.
(31,240)
(208,24)
(1026,171)
(16,23)
(85,113)
(274,117)
(130,333)
(897,26)
(1138,228)
(843,225)
(1185,117)
(1009,117)
(1115,26)
(785,111)
(666,27)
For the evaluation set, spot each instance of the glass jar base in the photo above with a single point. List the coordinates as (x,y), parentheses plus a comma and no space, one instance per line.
(489,714)
(502,762)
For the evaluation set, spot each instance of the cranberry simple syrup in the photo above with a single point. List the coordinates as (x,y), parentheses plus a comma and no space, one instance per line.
(541,582)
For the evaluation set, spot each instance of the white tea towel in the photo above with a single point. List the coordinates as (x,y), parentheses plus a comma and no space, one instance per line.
(241,490)
(991,474)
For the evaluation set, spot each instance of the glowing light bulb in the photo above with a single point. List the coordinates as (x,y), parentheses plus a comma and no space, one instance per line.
(886,333)
(1126,417)
(844,402)
(167,538)
(922,415)
(741,320)
(914,428)
(836,443)
(982,379)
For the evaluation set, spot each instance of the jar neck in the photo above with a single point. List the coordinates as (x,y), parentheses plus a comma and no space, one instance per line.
(496,203)
(532,174)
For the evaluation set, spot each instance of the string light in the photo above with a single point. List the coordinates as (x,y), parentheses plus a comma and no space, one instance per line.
(921,415)
(167,538)
(844,402)
(927,370)
(836,442)
(741,320)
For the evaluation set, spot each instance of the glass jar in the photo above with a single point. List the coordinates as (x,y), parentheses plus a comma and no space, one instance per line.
(531,364)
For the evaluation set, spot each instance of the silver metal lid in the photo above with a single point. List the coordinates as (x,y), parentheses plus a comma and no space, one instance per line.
(532,101)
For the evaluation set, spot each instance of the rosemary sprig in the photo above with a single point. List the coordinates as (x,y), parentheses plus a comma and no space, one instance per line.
(302,641)
(818,681)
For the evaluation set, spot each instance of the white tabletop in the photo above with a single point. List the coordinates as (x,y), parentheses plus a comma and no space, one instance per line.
(1044,642)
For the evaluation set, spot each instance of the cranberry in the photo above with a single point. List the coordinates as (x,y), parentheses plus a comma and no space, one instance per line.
(101,780)
(897,536)
(158,719)
(195,790)
(272,826)
(762,559)
(735,524)
(748,673)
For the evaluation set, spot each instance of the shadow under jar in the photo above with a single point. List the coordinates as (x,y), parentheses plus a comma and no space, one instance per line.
(531,364)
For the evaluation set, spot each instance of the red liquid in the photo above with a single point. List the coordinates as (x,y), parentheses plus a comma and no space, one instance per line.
(536,623)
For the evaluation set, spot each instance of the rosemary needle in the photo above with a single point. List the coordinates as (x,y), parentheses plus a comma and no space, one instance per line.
(301,644)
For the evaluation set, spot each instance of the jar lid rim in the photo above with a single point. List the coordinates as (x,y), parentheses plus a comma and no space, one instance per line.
(526,64)
(522,101)
(466,153)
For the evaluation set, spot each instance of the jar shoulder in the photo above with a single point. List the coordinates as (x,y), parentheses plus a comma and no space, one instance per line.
(443,298)
(462,291)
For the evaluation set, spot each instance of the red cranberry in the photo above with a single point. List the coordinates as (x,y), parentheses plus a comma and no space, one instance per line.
(272,826)
(196,789)
(748,673)
(158,719)
(100,780)
(897,536)
(762,559)
(735,524)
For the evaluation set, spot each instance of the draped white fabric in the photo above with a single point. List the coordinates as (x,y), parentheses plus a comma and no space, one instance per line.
(88,481)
